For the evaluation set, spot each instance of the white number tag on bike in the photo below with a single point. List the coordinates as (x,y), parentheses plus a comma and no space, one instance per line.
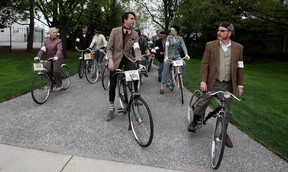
(38,66)
(87,56)
(132,75)
(177,63)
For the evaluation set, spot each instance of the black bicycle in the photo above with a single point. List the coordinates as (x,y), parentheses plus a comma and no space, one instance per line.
(83,61)
(139,114)
(220,129)
(105,73)
(43,83)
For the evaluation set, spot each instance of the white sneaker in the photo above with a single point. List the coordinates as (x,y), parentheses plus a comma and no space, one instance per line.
(80,58)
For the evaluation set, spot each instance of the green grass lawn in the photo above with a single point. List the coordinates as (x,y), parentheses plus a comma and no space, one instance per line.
(263,115)
(16,73)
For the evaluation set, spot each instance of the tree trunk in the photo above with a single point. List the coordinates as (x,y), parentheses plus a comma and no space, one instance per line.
(31,27)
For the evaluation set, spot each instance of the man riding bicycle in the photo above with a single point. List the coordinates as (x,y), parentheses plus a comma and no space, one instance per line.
(123,51)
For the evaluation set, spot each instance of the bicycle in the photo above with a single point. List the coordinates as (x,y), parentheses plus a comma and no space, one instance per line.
(43,83)
(92,68)
(83,61)
(175,76)
(139,114)
(106,73)
(220,129)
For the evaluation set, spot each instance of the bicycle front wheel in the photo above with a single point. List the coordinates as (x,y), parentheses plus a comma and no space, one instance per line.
(192,103)
(91,72)
(218,141)
(180,82)
(65,74)
(81,68)
(106,78)
(41,87)
(141,121)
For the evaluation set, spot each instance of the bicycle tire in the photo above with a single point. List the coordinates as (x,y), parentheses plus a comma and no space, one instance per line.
(91,72)
(180,83)
(141,121)
(123,96)
(218,141)
(194,99)
(65,74)
(106,78)
(41,87)
(81,68)
(150,64)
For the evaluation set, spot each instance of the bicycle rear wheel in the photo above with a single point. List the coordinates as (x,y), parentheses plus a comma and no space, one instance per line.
(218,141)
(91,72)
(106,78)
(141,121)
(180,83)
(123,95)
(171,79)
(41,87)
(192,103)
(65,74)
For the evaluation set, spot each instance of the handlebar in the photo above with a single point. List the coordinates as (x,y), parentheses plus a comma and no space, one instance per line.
(83,50)
(226,95)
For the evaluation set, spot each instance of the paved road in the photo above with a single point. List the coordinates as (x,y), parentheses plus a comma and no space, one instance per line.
(72,122)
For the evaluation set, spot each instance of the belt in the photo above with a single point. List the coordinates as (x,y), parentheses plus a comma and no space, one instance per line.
(224,81)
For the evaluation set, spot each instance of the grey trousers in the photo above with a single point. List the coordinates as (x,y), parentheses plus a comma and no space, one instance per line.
(204,101)
(165,72)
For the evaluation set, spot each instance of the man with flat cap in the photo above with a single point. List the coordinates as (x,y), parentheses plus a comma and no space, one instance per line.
(222,69)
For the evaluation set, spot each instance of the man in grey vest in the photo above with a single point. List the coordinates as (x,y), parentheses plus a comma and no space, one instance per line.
(222,68)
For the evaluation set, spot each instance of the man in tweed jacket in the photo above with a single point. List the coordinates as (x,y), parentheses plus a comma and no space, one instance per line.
(123,51)
(222,68)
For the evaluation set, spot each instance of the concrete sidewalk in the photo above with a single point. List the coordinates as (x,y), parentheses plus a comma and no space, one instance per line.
(14,159)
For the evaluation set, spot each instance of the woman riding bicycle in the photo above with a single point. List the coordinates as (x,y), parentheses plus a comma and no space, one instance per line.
(173,42)
(53,48)
(99,43)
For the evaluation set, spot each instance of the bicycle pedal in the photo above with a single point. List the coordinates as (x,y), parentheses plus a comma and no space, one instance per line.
(120,110)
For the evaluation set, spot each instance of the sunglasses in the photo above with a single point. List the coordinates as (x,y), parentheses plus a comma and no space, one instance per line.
(220,30)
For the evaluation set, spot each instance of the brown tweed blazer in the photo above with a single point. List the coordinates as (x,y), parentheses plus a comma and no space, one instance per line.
(210,64)
(116,51)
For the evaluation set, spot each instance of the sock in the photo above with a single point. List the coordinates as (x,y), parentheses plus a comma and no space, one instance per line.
(111,107)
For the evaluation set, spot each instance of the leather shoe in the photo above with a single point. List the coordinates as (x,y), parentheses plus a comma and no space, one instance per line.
(161,91)
(228,142)
(192,127)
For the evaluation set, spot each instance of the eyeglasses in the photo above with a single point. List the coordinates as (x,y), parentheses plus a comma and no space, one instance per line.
(219,30)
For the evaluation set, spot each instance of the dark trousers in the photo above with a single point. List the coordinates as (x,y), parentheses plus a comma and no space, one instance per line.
(56,71)
(127,65)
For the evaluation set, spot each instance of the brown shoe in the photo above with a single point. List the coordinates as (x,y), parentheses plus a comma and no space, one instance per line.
(228,142)
(192,127)
(161,91)
(110,115)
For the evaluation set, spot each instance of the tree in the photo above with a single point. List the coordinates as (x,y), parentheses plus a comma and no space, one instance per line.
(63,14)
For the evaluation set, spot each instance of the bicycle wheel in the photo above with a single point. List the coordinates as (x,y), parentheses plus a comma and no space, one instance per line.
(180,83)
(194,99)
(123,96)
(141,121)
(91,72)
(65,74)
(106,78)
(150,64)
(218,141)
(81,68)
(41,87)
